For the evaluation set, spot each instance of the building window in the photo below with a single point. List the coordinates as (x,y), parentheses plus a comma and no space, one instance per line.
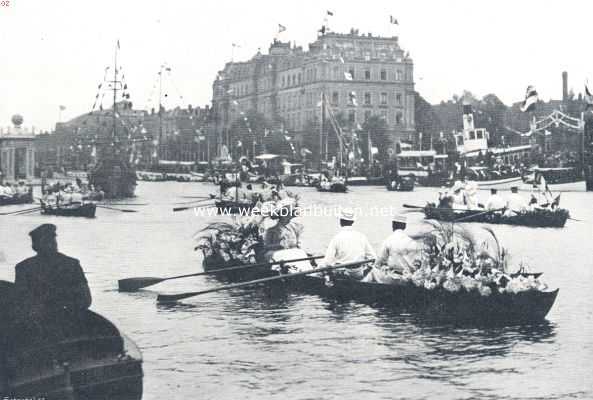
(367,74)
(384,115)
(367,99)
(398,99)
(399,75)
(398,118)
(384,98)
(351,71)
(383,75)
(367,115)
(352,116)
(299,78)
(335,98)
(283,82)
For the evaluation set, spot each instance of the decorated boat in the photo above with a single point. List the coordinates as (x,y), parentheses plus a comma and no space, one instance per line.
(438,303)
(537,218)
(86,210)
(240,207)
(92,360)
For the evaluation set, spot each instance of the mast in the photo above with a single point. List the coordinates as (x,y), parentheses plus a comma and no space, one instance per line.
(115,94)
(160,113)
(321,132)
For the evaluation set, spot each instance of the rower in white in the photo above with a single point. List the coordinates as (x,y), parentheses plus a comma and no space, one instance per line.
(495,202)
(349,245)
(396,256)
(516,204)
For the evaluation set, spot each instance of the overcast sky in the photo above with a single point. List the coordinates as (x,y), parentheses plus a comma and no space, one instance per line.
(54,52)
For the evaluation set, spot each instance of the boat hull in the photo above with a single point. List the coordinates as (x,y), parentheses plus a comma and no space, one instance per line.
(25,199)
(506,184)
(536,219)
(334,188)
(439,304)
(86,210)
(87,358)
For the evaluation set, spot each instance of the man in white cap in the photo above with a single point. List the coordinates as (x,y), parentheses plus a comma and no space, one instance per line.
(349,246)
(516,203)
(286,234)
(495,201)
(397,254)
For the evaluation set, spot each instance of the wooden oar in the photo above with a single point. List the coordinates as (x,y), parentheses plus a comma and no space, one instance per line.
(198,197)
(21,211)
(122,204)
(193,201)
(133,284)
(476,214)
(117,209)
(169,298)
(412,206)
(191,207)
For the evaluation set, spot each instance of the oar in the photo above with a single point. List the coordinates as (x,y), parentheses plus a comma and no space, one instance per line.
(123,204)
(193,201)
(133,284)
(168,298)
(198,197)
(117,209)
(475,215)
(412,206)
(190,207)
(21,211)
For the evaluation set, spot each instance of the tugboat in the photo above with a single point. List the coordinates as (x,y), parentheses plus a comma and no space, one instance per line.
(113,172)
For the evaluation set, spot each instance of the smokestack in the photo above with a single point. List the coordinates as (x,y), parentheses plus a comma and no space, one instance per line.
(564,86)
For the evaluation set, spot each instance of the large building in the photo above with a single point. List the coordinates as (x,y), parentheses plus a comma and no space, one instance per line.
(359,75)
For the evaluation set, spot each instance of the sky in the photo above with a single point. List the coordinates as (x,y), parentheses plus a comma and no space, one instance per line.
(55,52)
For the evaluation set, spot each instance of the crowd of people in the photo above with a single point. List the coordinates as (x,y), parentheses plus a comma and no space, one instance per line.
(14,191)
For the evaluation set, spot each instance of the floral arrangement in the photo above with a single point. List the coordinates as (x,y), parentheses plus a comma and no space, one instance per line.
(240,241)
(453,259)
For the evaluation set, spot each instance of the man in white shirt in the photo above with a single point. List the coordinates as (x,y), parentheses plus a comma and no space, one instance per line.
(516,203)
(495,202)
(397,254)
(349,246)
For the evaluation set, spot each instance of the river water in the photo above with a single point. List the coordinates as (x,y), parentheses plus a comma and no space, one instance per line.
(244,344)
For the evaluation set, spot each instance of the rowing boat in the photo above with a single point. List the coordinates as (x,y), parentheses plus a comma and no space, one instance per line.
(436,303)
(86,210)
(537,218)
(91,360)
(17,199)
(404,185)
(334,187)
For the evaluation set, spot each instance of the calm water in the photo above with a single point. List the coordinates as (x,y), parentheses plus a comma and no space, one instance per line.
(245,345)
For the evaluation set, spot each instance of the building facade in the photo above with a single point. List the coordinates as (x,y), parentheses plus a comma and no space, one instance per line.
(359,75)
(17,152)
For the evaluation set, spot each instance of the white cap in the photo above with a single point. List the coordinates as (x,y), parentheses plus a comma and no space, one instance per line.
(402,219)
(457,186)
(347,214)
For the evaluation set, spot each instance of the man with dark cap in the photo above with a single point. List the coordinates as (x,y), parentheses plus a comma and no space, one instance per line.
(49,283)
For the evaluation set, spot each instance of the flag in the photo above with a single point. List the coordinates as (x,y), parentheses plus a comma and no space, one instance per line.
(239,143)
(266,132)
(342,60)
(235,103)
(322,30)
(281,28)
(287,138)
(588,96)
(236,45)
(62,108)
(530,99)
(392,20)
(330,13)
(118,44)
(348,76)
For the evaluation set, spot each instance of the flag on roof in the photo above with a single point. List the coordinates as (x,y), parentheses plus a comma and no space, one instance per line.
(588,96)
(393,20)
(352,96)
(330,13)
(530,99)
(348,76)
(281,28)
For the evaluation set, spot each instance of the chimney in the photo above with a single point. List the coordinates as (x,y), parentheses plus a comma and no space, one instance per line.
(564,86)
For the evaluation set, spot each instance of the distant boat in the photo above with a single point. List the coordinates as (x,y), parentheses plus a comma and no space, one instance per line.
(86,210)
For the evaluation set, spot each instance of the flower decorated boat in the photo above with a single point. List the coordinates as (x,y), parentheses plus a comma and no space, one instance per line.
(540,218)
(454,278)
(86,210)
(91,359)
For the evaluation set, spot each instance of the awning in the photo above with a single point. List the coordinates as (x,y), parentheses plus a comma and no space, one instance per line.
(172,162)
